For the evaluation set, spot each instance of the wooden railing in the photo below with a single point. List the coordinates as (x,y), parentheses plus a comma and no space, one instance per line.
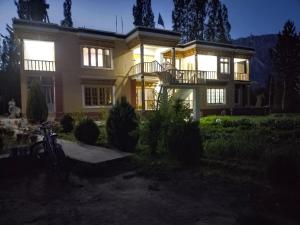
(39,65)
(241,76)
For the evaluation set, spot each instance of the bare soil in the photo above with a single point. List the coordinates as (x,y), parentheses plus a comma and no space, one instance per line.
(184,198)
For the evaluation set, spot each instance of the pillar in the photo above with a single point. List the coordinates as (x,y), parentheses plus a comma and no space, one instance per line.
(248,96)
(173,57)
(196,108)
(142,76)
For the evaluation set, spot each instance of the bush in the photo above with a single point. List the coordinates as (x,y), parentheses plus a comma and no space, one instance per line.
(37,109)
(67,123)
(120,126)
(87,131)
(1,143)
(184,142)
(283,169)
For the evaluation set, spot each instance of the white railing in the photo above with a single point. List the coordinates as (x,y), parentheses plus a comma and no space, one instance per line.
(39,65)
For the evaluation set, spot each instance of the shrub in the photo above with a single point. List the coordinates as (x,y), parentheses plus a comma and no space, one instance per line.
(184,142)
(37,109)
(87,131)
(120,126)
(283,169)
(67,123)
(1,143)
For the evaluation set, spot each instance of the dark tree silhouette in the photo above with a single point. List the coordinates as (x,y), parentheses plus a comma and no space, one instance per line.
(212,13)
(285,58)
(179,18)
(33,10)
(143,14)
(67,21)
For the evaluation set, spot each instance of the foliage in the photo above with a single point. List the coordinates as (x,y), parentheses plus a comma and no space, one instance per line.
(37,109)
(5,135)
(67,123)
(143,14)
(170,132)
(67,21)
(87,131)
(121,125)
(284,168)
(33,10)
(286,68)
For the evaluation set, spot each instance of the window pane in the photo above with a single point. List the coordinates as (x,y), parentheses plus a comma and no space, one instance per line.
(100,58)
(93,57)
(87,96)
(107,59)
(94,96)
(85,56)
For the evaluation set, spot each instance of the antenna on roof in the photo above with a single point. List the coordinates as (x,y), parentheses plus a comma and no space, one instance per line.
(122,24)
(116,24)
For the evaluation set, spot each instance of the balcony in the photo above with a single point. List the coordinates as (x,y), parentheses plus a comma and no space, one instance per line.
(39,65)
(241,76)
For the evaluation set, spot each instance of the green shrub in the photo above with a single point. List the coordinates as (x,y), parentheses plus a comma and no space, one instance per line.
(67,123)
(121,125)
(184,142)
(37,109)
(283,169)
(1,143)
(87,131)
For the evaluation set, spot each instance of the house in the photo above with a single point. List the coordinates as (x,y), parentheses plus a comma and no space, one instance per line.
(85,70)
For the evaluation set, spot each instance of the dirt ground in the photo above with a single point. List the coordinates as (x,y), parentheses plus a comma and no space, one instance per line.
(185,198)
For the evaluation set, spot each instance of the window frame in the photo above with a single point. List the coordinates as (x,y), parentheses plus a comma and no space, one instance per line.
(98,87)
(223,63)
(89,47)
(209,96)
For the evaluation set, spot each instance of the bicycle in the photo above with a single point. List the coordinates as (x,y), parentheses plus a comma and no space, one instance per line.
(53,152)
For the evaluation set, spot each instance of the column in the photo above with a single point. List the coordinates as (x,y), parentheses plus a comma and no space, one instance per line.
(142,76)
(173,57)
(248,96)
(196,108)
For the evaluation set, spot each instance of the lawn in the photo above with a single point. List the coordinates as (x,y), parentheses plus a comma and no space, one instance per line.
(249,139)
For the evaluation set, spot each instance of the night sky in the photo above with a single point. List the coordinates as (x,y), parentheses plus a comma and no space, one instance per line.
(246,16)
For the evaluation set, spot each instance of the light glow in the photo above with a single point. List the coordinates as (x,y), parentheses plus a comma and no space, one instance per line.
(39,50)
(207,63)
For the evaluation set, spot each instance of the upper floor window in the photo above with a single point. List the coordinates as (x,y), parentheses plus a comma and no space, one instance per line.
(216,96)
(224,65)
(39,55)
(97,57)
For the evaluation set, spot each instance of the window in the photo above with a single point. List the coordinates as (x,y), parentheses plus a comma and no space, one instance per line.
(216,96)
(97,57)
(224,65)
(98,96)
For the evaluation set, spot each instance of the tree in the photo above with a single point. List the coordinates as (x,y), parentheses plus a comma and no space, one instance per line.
(33,10)
(285,58)
(143,14)
(212,13)
(196,17)
(67,21)
(179,18)
(37,109)
(226,24)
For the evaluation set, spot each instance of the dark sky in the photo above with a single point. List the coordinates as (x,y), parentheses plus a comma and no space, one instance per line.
(246,16)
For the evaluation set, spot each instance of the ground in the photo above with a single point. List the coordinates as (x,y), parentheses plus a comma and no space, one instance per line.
(185,197)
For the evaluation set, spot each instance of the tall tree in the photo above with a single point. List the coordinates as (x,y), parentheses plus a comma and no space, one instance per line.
(226,24)
(143,14)
(196,17)
(33,10)
(212,13)
(179,18)
(285,58)
(67,21)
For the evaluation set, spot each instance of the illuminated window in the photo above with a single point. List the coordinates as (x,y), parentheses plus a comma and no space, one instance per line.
(224,65)
(97,57)
(216,96)
(98,96)
(93,57)
(86,57)
(39,55)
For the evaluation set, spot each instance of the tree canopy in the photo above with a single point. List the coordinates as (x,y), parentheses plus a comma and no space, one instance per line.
(143,14)
(33,10)
(67,21)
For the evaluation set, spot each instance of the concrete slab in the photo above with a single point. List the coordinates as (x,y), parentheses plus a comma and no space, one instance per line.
(91,154)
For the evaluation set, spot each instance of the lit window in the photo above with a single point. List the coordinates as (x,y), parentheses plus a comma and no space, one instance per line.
(97,57)
(98,96)
(224,65)
(93,57)
(86,57)
(216,96)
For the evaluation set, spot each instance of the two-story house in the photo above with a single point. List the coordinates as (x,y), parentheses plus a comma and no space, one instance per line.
(84,70)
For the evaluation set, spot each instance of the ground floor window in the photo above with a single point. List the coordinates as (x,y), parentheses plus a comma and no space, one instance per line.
(47,86)
(97,96)
(216,96)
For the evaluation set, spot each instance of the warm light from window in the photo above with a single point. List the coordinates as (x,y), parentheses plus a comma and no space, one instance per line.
(39,50)
(85,56)
(207,63)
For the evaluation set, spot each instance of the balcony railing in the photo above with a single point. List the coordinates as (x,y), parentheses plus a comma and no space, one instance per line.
(39,65)
(241,76)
